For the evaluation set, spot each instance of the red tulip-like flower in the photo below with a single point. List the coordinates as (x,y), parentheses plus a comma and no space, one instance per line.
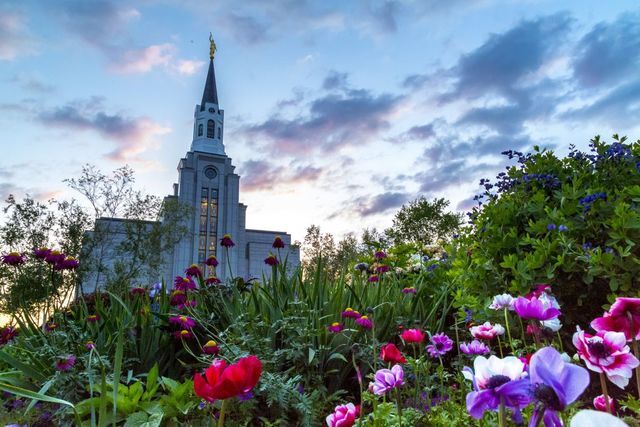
(212,261)
(278,243)
(226,241)
(271,260)
(222,381)
(391,354)
(13,258)
(412,336)
(623,316)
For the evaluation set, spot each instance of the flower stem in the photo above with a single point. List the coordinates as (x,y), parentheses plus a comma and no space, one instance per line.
(634,344)
(603,384)
(223,410)
(506,324)
(399,406)
(502,416)
(500,346)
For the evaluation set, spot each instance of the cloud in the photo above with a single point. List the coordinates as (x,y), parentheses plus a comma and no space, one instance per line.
(370,205)
(415,133)
(137,61)
(188,67)
(14,37)
(132,135)
(261,175)
(619,107)
(609,53)
(31,84)
(332,121)
(335,80)
(247,29)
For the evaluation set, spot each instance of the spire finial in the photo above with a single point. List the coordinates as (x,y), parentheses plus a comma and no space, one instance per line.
(212,46)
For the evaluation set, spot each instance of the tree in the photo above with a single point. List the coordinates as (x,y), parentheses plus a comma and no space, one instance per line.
(424,222)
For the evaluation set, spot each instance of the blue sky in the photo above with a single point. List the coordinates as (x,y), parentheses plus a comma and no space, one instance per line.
(336,112)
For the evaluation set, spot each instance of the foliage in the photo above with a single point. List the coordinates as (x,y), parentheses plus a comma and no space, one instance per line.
(424,222)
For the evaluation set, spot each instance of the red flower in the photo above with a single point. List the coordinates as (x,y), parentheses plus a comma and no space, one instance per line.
(226,241)
(271,260)
(138,291)
(211,347)
(212,280)
(278,243)
(390,354)
(212,261)
(222,381)
(412,336)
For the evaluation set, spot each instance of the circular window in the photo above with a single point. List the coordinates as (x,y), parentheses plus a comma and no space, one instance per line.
(210,172)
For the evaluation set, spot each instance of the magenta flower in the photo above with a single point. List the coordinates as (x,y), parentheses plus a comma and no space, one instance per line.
(278,243)
(600,403)
(193,271)
(7,333)
(54,257)
(381,269)
(212,261)
(410,290)
(177,298)
(13,258)
(440,345)
(65,363)
(211,347)
(89,345)
(373,278)
(184,283)
(212,280)
(364,322)
(343,416)
(606,352)
(335,327)
(412,336)
(623,316)
(41,253)
(271,260)
(379,255)
(486,331)
(555,385)
(93,318)
(534,309)
(68,263)
(226,241)
(138,291)
(184,322)
(496,379)
(474,348)
(183,334)
(388,379)
(350,313)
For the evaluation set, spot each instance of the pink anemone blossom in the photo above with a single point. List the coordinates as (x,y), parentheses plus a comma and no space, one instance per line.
(474,348)
(343,416)
(623,316)
(388,379)
(440,345)
(535,309)
(486,331)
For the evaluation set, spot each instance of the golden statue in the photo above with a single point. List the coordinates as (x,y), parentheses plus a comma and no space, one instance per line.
(212,47)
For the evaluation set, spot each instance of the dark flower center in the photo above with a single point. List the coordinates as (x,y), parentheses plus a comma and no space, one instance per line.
(548,397)
(599,349)
(497,381)
(439,346)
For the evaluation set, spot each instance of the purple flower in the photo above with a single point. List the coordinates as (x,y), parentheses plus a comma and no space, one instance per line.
(335,327)
(193,271)
(13,258)
(440,345)
(551,227)
(563,228)
(350,313)
(410,290)
(65,363)
(534,308)
(373,278)
(184,283)
(379,255)
(271,260)
(226,241)
(278,243)
(474,348)
(212,261)
(364,322)
(387,379)
(41,253)
(555,384)
(496,379)
(184,322)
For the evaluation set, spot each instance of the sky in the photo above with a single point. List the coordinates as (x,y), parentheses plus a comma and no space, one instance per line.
(336,113)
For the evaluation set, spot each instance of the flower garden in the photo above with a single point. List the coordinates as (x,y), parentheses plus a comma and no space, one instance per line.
(529,315)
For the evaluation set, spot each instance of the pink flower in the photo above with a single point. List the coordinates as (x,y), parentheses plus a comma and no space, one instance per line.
(364,322)
(211,347)
(7,333)
(212,261)
(412,336)
(212,280)
(379,255)
(373,278)
(474,348)
(606,352)
(184,283)
(335,327)
(183,335)
(486,331)
(382,268)
(350,313)
(89,345)
(13,258)
(193,271)
(623,316)
(344,416)
(54,257)
(535,309)
(69,263)
(65,363)
(184,322)
(411,290)
(226,241)
(177,298)
(41,253)
(278,243)
(600,403)
(93,318)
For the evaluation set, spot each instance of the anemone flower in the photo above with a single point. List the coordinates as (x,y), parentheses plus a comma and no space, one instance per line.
(389,353)
(222,381)
(606,353)
(440,345)
(500,302)
(343,416)
(623,316)
(555,385)
(388,379)
(495,380)
(474,348)
(486,331)
(411,336)
(600,403)
(534,309)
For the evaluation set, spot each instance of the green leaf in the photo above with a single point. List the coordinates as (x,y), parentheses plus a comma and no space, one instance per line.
(142,419)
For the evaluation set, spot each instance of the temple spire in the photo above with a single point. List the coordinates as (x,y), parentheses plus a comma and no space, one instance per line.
(210,94)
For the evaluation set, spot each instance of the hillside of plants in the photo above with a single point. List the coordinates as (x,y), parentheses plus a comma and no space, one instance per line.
(526,311)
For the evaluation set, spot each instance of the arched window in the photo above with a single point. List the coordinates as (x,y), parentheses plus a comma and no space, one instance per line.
(200,129)
(219,132)
(210,129)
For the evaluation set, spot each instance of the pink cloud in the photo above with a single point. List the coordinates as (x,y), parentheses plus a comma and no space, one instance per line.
(188,67)
(137,61)
(14,39)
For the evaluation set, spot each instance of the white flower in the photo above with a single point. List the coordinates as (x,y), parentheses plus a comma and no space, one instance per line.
(501,302)
(553,324)
(484,369)
(591,418)
(498,328)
